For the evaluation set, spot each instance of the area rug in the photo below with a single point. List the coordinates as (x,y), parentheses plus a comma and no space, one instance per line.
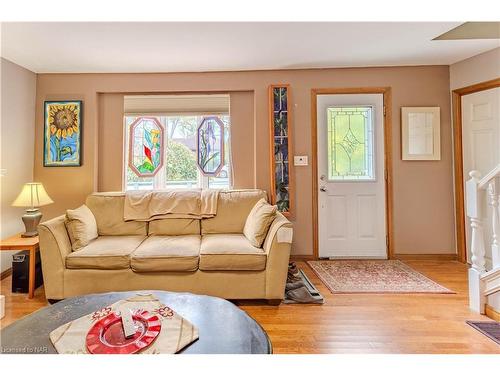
(490,329)
(373,276)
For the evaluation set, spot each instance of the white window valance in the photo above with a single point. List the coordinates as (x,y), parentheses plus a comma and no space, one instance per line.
(200,104)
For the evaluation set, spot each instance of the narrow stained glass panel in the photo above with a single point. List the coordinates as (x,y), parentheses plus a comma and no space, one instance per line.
(281,160)
(350,143)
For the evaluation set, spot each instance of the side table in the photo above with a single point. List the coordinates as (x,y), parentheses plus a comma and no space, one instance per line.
(17,242)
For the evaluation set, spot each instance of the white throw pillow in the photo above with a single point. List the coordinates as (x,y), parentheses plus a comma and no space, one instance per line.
(82,227)
(258,222)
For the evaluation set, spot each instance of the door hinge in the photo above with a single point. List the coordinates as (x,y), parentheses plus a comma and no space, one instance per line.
(387,242)
(384,110)
(385,174)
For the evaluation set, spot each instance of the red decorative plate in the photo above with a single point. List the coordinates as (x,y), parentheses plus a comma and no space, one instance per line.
(106,335)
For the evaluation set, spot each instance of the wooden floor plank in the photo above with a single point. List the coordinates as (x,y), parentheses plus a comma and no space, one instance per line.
(353,323)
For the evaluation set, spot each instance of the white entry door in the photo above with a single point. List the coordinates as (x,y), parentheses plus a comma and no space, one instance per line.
(351,176)
(480,143)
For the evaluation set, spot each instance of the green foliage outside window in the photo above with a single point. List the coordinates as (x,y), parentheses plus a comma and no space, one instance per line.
(181,163)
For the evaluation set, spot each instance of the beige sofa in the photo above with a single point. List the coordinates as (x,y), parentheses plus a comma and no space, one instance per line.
(208,256)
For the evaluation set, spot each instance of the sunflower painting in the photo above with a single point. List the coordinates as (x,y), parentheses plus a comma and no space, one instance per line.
(62,134)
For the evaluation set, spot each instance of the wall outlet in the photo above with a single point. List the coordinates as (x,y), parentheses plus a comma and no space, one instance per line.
(300,160)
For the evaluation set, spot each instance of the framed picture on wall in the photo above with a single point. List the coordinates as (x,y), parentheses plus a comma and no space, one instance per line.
(62,133)
(421,133)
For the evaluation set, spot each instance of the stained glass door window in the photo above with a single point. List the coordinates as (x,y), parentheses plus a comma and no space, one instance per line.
(350,143)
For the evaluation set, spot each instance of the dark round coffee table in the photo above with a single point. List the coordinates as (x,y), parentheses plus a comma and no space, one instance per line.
(223,327)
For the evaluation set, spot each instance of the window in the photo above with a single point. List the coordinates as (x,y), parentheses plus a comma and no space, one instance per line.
(165,152)
(350,143)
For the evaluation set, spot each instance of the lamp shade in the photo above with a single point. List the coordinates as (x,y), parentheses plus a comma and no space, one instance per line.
(32,195)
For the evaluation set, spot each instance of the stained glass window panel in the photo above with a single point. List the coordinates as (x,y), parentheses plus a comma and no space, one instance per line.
(281,161)
(350,143)
(146,150)
(211,146)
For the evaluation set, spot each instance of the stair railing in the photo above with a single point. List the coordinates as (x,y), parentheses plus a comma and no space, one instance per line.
(480,191)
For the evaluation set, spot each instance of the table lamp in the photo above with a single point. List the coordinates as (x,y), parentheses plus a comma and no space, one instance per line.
(32,196)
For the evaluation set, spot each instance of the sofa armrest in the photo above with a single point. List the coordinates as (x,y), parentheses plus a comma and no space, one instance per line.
(277,246)
(55,245)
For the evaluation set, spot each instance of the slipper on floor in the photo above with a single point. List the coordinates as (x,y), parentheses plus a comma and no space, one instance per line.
(302,295)
(294,285)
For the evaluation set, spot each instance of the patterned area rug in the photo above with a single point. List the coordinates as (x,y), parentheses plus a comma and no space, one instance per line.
(373,276)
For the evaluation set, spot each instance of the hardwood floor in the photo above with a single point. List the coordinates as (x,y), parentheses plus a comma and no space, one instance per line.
(354,323)
(379,323)
(18,305)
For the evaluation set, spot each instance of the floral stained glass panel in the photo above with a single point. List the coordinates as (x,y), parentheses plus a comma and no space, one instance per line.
(350,143)
(210,156)
(146,146)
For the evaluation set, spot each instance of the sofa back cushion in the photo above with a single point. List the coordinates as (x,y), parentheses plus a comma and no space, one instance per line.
(108,212)
(233,208)
(174,227)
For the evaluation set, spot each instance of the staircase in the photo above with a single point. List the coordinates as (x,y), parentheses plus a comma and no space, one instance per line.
(482,199)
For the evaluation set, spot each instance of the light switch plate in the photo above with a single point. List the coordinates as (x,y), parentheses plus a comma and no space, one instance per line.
(300,160)
(3,172)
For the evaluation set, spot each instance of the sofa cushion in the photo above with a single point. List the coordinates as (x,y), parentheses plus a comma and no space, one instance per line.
(167,253)
(258,222)
(233,208)
(105,252)
(108,212)
(174,227)
(230,252)
(81,227)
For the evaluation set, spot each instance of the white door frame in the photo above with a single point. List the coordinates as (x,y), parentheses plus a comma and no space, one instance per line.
(386,91)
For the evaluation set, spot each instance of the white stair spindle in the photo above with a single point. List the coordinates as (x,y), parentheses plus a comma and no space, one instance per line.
(495,255)
(494,203)
(474,212)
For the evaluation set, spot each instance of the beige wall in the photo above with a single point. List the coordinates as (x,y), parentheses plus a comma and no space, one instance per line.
(17,127)
(110,141)
(243,139)
(423,192)
(479,68)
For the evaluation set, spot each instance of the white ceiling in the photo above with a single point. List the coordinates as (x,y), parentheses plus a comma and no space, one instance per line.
(189,47)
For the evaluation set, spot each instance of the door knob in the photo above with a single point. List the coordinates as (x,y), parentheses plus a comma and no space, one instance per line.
(322,188)
(322,177)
